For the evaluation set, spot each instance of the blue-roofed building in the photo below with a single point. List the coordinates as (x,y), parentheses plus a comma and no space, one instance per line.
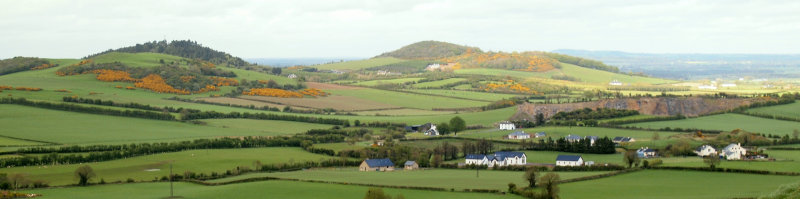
(411,165)
(646,152)
(500,158)
(377,165)
(519,135)
(573,138)
(540,134)
(569,160)
(623,140)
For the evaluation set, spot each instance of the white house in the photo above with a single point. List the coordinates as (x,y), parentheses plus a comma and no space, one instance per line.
(292,76)
(646,152)
(705,150)
(707,87)
(540,134)
(734,151)
(621,140)
(432,131)
(506,125)
(434,66)
(519,135)
(569,160)
(728,85)
(572,138)
(615,83)
(591,139)
(500,158)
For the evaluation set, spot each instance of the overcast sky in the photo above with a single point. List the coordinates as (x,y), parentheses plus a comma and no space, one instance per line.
(296,28)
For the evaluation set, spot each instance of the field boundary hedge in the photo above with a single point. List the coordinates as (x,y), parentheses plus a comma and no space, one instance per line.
(727,170)
(605,175)
(89,110)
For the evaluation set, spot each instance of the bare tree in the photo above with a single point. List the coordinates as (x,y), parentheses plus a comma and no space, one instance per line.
(630,158)
(549,182)
(84,174)
(530,175)
(712,160)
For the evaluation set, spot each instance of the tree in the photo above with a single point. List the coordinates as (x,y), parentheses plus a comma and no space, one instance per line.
(84,174)
(437,160)
(457,124)
(539,119)
(443,128)
(530,175)
(17,180)
(276,71)
(656,136)
(630,158)
(712,160)
(796,134)
(376,193)
(550,184)
(357,123)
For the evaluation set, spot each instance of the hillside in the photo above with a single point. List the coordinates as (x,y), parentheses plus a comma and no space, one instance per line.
(429,50)
(182,48)
(19,64)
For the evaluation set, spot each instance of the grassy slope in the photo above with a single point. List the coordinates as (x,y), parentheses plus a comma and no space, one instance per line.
(603,77)
(408,100)
(676,184)
(81,128)
(387,81)
(200,161)
(443,178)
(436,84)
(137,59)
(786,161)
(788,110)
(264,189)
(728,122)
(249,75)
(643,138)
(5,141)
(465,94)
(359,64)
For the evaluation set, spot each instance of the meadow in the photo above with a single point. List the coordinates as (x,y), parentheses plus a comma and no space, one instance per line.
(408,100)
(150,167)
(473,95)
(7,141)
(359,64)
(787,110)
(660,184)
(786,161)
(387,81)
(403,111)
(728,122)
(338,102)
(138,59)
(439,83)
(643,138)
(263,189)
(458,179)
(82,128)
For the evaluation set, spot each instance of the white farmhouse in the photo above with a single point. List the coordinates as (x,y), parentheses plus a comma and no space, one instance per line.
(506,125)
(500,158)
(615,83)
(734,151)
(540,134)
(705,150)
(292,76)
(646,152)
(707,87)
(572,138)
(519,135)
(569,160)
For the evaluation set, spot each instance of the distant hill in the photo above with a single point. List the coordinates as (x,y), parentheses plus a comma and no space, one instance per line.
(19,64)
(429,50)
(182,48)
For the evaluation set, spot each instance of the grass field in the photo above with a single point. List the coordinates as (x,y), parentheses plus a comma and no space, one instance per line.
(643,138)
(153,166)
(728,122)
(787,110)
(483,96)
(263,189)
(403,111)
(249,75)
(408,100)
(604,77)
(338,102)
(676,184)
(359,64)
(138,59)
(503,73)
(437,84)
(265,127)
(81,128)
(6,141)
(786,161)
(387,81)
(442,178)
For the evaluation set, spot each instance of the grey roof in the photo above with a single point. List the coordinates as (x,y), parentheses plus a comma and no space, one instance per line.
(571,158)
(622,139)
(572,137)
(410,163)
(646,150)
(592,137)
(386,162)
(518,133)
(475,156)
(541,133)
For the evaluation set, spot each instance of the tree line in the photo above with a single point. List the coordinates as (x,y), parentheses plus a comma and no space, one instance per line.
(602,145)
(88,109)
(19,64)
(182,48)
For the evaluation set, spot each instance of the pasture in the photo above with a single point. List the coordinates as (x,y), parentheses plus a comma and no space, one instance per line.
(7,141)
(662,184)
(403,111)
(387,81)
(408,100)
(787,110)
(643,138)
(604,77)
(146,59)
(359,64)
(149,167)
(728,122)
(458,179)
(473,95)
(338,102)
(786,161)
(262,189)
(438,84)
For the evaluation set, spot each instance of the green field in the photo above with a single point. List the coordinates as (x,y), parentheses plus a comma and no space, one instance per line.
(441,178)
(403,111)
(676,184)
(359,64)
(786,161)
(604,77)
(728,122)
(253,75)
(483,96)
(437,84)
(408,100)
(6,141)
(643,138)
(503,73)
(154,166)
(263,189)
(137,59)
(787,110)
(387,81)
(82,128)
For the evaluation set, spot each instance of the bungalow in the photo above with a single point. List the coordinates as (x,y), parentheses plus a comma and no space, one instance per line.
(705,150)
(615,83)
(540,134)
(506,125)
(376,165)
(427,129)
(569,160)
(572,138)
(292,76)
(500,158)
(734,151)
(519,135)
(621,140)
(411,165)
(646,152)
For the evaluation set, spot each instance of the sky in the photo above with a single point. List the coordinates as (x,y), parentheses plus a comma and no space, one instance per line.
(355,28)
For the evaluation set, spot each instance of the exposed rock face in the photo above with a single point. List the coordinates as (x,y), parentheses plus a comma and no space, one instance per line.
(665,106)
